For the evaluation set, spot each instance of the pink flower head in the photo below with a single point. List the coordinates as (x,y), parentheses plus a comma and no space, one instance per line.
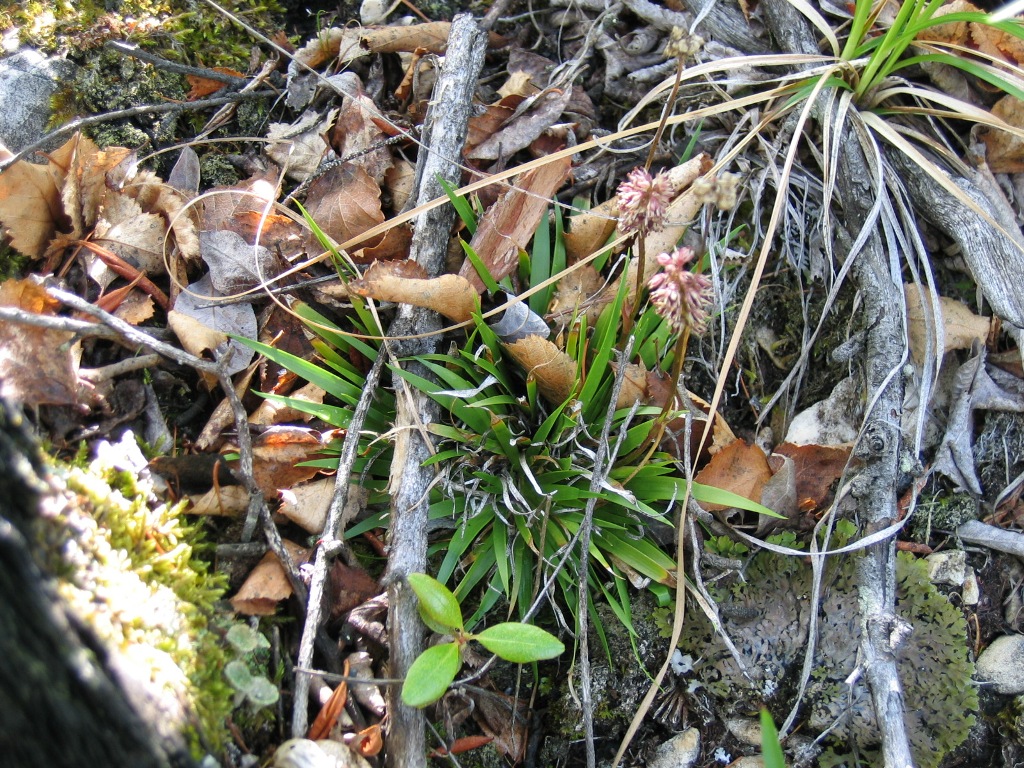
(679,295)
(642,200)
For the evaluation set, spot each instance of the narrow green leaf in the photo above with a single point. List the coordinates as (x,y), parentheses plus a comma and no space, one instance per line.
(520,643)
(771,750)
(430,675)
(437,603)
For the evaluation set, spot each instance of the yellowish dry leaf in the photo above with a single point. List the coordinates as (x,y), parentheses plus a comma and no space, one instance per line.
(399,281)
(552,369)
(267,585)
(961,327)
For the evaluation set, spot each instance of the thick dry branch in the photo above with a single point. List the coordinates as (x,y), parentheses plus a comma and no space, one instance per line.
(996,258)
(859,183)
(443,137)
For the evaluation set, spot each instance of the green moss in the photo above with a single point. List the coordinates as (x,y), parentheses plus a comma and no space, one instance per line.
(216,171)
(943,513)
(127,564)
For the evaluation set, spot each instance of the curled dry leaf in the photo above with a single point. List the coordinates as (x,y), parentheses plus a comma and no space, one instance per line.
(271,412)
(307,504)
(355,134)
(36,366)
(403,283)
(552,369)
(816,470)
(960,326)
(509,224)
(432,36)
(267,585)
(524,127)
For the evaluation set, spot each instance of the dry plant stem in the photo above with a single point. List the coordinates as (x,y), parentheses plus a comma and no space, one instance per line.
(330,544)
(443,136)
(602,465)
(149,109)
(874,489)
(135,52)
(977,532)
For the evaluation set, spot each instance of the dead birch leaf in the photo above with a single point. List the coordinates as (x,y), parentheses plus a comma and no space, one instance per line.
(307,504)
(817,469)
(961,327)
(488,122)
(31,209)
(236,266)
(355,135)
(739,467)
(221,501)
(157,197)
(575,292)
(552,369)
(345,202)
(267,585)
(138,238)
(399,281)
(509,224)
(136,308)
(36,367)
(85,187)
(300,146)
(202,325)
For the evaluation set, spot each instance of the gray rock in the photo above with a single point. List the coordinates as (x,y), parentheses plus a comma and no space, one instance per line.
(681,751)
(28,81)
(1001,665)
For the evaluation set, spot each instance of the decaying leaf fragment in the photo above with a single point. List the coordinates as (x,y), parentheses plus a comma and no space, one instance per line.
(552,369)
(960,326)
(739,467)
(36,366)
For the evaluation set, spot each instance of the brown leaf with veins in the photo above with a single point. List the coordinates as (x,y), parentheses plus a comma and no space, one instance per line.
(817,468)
(739,467)
(356,136)
(36,367)
(1004,151)
(509,224)
(31,210)
(345,202)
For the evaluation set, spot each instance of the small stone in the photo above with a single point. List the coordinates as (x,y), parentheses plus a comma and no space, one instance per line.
(750,761)
(745,729)
(971,592)
(948,567)
(28,80)
(1001,665)
(681,751)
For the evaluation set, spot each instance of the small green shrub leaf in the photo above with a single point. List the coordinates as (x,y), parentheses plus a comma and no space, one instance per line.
(520,643)
(438,605)
(430,675)
(262,692)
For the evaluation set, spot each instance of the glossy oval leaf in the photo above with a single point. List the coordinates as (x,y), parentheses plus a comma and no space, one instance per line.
(430,675)
(520,643)
(438,605)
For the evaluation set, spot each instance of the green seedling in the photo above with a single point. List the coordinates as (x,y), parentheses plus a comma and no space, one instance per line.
(435,669)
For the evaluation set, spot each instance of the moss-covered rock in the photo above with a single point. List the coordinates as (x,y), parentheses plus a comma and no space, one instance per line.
(127,567)
(768,618)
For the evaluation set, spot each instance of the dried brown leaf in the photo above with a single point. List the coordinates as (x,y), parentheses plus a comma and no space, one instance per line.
(451,295)
(739,467)
(345,202)
(552,369)
(31,209)
(36,367)
(267,585)
(961,327)
(510,223)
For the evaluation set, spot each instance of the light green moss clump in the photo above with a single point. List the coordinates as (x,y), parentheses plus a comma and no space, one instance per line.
(127,567)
